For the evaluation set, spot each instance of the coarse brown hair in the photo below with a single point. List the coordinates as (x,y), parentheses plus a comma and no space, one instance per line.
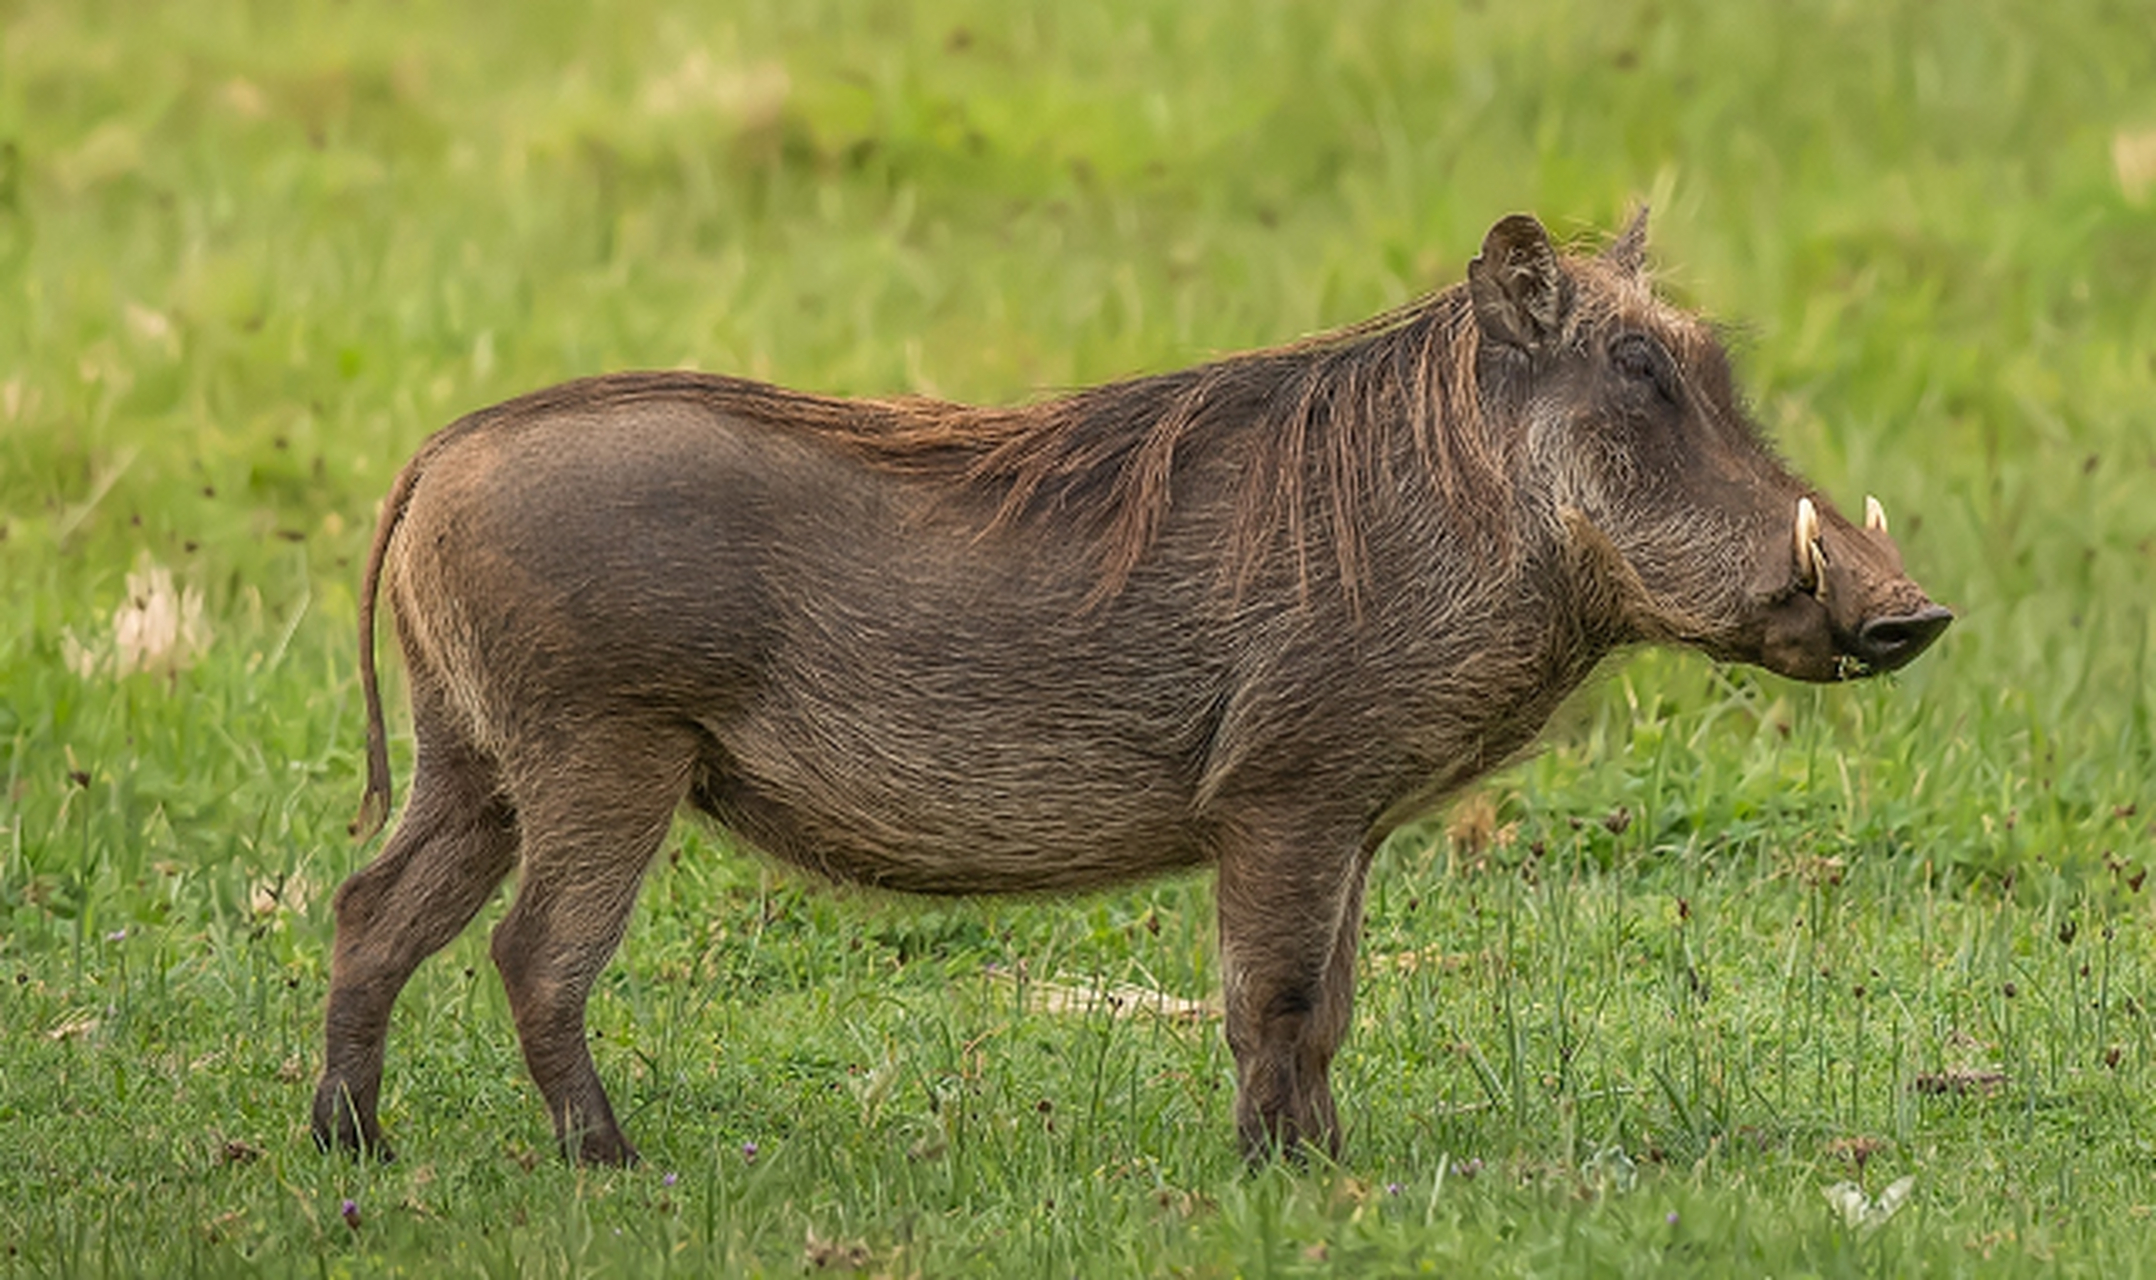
(1323,411)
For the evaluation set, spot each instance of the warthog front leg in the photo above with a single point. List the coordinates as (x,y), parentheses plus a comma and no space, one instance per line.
(455,843)
(1290,920)
(591,820)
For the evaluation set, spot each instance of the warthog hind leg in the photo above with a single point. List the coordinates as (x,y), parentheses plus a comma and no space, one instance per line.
(591,816)
(456,841)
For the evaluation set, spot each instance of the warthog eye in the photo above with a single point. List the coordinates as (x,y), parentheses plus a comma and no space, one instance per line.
(1642,359)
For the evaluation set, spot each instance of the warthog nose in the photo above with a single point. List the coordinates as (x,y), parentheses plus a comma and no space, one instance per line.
(1887,643)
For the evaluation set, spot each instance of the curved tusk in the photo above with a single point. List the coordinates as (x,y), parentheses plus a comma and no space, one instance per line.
(1875,516)
(1806,545)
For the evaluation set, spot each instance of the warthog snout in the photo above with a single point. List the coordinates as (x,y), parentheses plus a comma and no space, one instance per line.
(1252,615)
(1870,617)
(1884,644)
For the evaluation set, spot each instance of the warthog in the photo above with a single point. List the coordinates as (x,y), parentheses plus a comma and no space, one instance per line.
(1254,614)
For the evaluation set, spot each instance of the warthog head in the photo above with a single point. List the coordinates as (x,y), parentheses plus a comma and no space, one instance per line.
(1634,428)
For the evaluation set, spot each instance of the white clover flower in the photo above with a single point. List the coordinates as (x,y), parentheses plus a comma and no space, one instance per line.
(158,628)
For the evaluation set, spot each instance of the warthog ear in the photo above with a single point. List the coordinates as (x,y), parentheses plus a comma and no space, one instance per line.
(1628,253)
(1520,293)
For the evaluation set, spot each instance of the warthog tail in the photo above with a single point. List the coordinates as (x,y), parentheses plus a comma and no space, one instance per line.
(374,803)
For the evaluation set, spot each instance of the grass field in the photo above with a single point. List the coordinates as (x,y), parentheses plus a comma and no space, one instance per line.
(1636,1005)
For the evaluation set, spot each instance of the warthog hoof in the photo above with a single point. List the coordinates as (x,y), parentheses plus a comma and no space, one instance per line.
(338,1125)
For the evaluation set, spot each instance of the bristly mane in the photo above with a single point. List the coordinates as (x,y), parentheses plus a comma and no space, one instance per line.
(1321,417)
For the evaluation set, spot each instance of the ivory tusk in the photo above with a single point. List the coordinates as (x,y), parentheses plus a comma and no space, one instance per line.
(1875,516)
(1811,556)
(1805,544)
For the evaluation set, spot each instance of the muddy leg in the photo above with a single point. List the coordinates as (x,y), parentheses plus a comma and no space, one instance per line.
(456,841)
(591,821)
(1290,920)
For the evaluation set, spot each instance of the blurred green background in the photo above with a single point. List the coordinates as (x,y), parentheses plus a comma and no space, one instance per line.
(254,254)
(251,254)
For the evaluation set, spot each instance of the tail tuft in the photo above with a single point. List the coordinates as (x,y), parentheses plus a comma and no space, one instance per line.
(373,812)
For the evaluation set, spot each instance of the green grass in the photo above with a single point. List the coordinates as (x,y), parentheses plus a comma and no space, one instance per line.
(251,254)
